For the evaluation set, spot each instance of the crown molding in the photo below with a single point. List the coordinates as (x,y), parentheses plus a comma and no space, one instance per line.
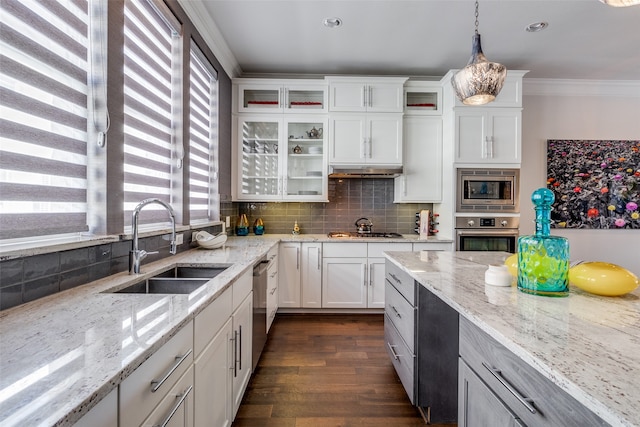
(203,21)
(566,87)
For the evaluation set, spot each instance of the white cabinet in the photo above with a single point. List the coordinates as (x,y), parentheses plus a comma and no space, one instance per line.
(151,382)
(289,275)
(278,96)
(421,180)
(365,139)
(242,321)
(300,277)
(353,274)
(384,94)
(280,158)
(213,387)
(422,98)
(488,135)
(104,414)
(272,286)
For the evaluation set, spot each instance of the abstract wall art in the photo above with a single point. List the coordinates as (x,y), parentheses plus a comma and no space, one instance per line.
(596,183)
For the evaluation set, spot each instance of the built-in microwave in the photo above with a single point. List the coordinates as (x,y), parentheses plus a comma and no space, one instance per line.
(488,190)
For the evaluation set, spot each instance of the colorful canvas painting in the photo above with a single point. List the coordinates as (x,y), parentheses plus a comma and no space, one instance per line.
(596,183)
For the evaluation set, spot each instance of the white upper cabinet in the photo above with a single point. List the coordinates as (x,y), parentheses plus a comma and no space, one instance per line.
(422,98)
(365,139)
(510,95)
(362,94)
(488,135)
(280,96)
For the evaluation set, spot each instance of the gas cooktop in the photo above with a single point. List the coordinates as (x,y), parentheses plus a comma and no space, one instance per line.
(355,234)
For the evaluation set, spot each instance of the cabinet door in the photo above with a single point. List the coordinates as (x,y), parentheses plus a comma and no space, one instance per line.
(306,158)
(477,405)
(242,338)
(213,388)
(348,96)
(289,275)
(505,137)
(347,141)
(384,139)
(490,135)
(421,181)
(312,275)
(471,129)
(385,97)
(303,98)
(375,293)
(176,409)
(255,98)
(344,283)
(104,414)
(259,167)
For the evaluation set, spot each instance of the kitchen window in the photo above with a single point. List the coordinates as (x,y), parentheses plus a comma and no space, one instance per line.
(44,117)
(203,139)
(153,152)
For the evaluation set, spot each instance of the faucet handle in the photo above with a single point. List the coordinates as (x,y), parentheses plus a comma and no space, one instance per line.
(173,248)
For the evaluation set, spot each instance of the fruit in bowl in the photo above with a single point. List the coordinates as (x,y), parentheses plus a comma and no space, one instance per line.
(603,278)
(512,264)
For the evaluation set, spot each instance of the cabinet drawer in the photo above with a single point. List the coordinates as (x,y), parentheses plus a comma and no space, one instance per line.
(401,281)
(210,320)
(344,250)
(402,358)
(242,287)
(532,397)
(177,406)
(377,250)
(137,399)
(401,314)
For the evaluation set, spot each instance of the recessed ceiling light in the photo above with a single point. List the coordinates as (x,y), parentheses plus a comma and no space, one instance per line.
(332,22)
(536,26)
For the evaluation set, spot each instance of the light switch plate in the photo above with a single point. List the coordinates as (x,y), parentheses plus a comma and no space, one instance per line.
(179,239)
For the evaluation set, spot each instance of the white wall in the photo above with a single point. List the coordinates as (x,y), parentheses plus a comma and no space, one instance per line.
(552,110)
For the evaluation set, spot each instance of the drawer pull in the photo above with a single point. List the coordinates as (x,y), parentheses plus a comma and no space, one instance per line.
(182,397)
(274,274)
(396,311)
(527,402)
(393,276)
(156,384)
(393,351)
(273,291)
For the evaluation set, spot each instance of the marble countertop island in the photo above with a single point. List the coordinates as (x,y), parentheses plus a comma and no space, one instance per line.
(586,344)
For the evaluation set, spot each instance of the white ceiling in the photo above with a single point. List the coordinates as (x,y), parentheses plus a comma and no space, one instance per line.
(585,38)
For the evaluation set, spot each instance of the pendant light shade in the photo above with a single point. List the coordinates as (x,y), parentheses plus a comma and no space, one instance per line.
(620,3)
(480,81)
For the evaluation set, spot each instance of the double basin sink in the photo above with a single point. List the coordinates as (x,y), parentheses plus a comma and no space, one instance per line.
(177,280)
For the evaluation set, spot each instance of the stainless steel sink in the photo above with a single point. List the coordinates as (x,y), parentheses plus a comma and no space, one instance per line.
(177,280)
(164,285)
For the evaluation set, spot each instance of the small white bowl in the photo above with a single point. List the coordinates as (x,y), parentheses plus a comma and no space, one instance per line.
(498,275)
(209,241)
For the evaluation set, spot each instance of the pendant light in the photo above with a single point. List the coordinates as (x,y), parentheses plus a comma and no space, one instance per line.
(620,3)
(480,81)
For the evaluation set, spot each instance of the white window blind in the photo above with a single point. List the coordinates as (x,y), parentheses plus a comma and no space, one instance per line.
(151,106)
(203,138)
(43,117)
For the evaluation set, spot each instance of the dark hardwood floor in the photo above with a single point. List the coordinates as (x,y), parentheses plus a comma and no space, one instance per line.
(326,371)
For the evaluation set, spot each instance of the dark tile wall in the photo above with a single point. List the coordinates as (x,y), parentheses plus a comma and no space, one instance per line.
(29,278)
(349,200)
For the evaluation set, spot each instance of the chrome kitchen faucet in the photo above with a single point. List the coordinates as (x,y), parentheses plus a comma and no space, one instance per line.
(136,255)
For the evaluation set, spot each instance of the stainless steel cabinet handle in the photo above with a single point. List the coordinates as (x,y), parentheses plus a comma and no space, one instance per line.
(370,275)
(235,353)
(273,291)
(393,351)
(240,347)
(396,311)
(364,96)
(370,148)
(370,96)
(297,258)
(490,147)
(274,274)
(156,384)
(527,402)
(364,274)
(319,259)
(393,276)
(181,400)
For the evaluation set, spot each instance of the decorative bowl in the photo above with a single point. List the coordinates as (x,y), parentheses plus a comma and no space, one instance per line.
(603,278)
(209,241)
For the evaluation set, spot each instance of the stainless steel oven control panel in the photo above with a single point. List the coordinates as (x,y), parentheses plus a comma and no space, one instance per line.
(487,222)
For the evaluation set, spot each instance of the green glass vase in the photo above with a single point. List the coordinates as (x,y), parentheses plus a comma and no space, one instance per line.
(543,260)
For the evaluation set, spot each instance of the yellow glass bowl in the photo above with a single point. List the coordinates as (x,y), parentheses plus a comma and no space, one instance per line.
(512,264)
(603,278)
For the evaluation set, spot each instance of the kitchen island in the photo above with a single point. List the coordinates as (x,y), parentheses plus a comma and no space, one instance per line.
(588,346)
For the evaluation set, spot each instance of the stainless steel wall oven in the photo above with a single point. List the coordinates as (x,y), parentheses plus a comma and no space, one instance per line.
(487,234)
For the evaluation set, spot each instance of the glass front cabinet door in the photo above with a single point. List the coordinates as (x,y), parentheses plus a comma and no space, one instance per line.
(289,97)
(282,159)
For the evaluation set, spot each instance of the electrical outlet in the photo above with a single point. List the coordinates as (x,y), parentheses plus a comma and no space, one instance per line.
(179,239)
(227,222)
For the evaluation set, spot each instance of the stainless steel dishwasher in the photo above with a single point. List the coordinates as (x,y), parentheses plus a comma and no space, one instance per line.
(259,309)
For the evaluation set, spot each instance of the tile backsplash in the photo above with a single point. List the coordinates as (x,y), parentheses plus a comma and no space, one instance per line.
(349,200)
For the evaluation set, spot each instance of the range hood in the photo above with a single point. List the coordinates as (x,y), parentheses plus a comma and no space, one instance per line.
(339,171)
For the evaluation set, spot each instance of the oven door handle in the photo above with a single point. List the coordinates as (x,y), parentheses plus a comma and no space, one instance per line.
(487,232)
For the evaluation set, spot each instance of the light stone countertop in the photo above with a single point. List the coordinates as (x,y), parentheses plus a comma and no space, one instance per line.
(61,354)
(588,345)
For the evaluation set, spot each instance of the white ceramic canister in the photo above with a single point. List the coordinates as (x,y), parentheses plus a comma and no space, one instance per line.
(498,275)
